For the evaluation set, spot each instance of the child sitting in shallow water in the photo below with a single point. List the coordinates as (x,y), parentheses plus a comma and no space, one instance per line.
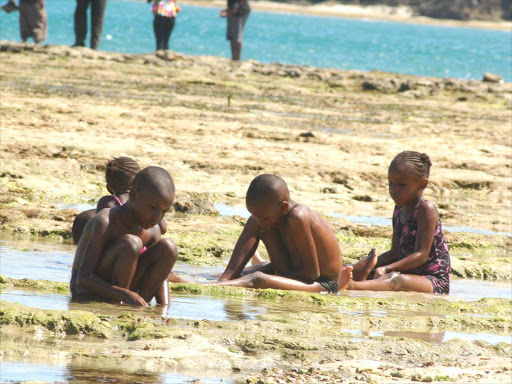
(119,175)
(419,259)
(109,262)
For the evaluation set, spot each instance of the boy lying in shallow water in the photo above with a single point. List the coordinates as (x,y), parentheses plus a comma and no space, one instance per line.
(304,253)
(121,255)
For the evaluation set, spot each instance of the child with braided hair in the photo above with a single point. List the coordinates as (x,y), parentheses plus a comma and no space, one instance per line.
(119,174)
(419,259)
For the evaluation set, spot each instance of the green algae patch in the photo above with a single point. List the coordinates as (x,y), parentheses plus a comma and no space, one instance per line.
(60,322)
(36,285)
(411,323)
(136,328)
(84,323)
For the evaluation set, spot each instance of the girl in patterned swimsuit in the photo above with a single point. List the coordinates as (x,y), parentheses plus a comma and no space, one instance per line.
(419,259)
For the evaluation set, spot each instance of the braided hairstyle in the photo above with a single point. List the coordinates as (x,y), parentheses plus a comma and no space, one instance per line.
(419,162)
(119,173)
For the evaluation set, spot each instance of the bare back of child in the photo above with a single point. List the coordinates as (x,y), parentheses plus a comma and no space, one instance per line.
(108,261)
(304,253)
(419,259)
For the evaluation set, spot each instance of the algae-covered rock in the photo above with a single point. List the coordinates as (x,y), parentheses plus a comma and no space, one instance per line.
(195,203)
(37,285)
(59,322)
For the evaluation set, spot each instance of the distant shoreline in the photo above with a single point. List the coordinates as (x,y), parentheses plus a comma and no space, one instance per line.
(383,13)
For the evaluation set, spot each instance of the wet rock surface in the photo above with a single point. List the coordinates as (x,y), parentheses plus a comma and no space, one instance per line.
(279,345)
(195,203)
(330,139)
(222,125)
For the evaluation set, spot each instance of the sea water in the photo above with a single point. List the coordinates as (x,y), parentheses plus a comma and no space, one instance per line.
(296,39)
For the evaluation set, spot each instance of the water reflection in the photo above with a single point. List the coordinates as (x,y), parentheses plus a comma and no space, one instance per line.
(77,207)
(12,372)
(383,221)
(435,337)
(181,306)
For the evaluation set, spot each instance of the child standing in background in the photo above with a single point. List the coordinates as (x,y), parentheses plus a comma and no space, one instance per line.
(33,18)
(165,12)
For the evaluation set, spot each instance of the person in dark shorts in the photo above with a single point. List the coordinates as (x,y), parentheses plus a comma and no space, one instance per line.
(304,252)
(237,13)
(97,15)
(165,12)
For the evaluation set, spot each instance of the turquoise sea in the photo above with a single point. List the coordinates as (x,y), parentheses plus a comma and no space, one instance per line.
(297,39)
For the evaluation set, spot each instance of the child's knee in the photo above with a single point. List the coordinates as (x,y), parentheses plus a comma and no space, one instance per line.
(132,244)
(397,281)
(170,249)
(259,280)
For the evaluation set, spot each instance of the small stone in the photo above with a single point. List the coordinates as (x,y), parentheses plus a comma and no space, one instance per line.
(492,78)
(365,198)
(307,135)
(328,190)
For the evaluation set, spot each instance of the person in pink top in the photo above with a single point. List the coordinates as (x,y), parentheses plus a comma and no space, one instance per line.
(165,12)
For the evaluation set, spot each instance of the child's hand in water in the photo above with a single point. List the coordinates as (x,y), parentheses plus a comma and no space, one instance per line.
(133,298)
(224,13)
(379,272)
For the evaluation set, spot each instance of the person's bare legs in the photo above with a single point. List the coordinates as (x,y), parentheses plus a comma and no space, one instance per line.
(346,277)
(236,50)
(257,259)
(153,269)
(393,281)
(174,278)
(363,267)
(262,280)
(119,262)
(260,267)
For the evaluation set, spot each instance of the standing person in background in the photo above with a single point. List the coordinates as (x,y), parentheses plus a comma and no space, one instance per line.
(237,14)
(97,13)
(33,18)
(165,12)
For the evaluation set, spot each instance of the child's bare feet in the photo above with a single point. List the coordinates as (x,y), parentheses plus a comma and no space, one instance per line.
(346,277)
(173,278)
(363,267)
